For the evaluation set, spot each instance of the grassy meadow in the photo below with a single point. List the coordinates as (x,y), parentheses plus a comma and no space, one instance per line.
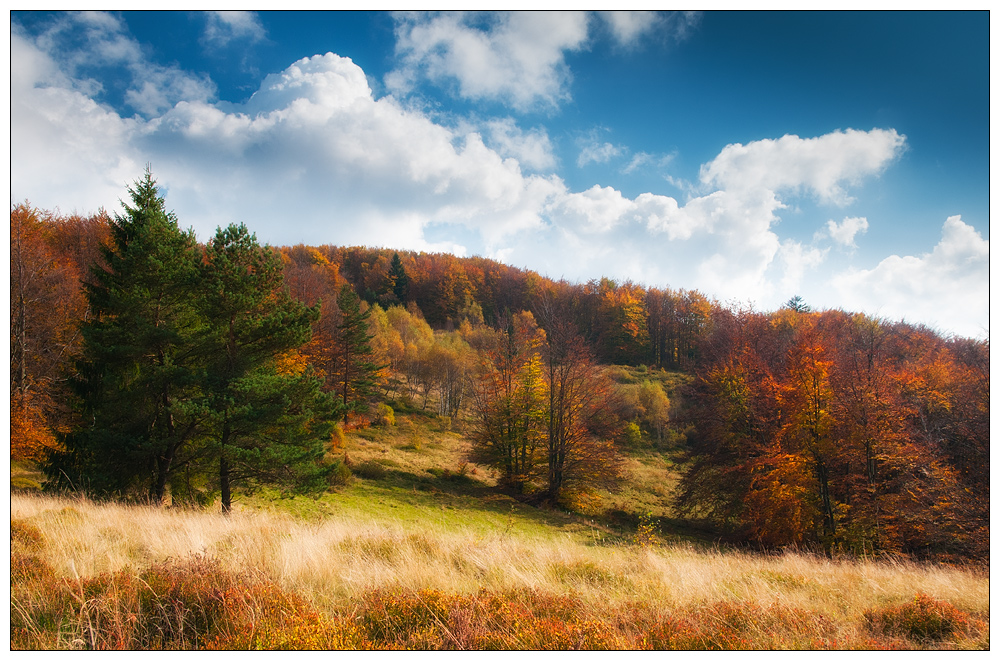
(417,550)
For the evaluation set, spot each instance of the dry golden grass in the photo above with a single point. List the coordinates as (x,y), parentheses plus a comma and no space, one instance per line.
(335,560)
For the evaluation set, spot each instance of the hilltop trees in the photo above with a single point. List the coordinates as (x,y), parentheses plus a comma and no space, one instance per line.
(46,303)
(192,370)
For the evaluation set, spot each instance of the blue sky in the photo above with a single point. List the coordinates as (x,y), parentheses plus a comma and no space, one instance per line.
(840,156)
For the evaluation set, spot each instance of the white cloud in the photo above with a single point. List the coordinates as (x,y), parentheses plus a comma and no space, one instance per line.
(79,43)
(845,231)
(821,165)
(314,157)
(594,210)
(516,58)
(222,27)
(531,148)
(67,151)
(627,26)
(947,288)
(597,153)
(797,259)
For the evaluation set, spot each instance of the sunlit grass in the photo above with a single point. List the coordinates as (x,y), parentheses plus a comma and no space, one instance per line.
(420,551)
(341,560)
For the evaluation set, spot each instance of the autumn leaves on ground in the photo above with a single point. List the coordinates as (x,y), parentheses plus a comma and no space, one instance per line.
(227,446)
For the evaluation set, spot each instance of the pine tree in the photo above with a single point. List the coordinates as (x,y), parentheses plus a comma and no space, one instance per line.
(399,279)
(267,425)
(138,374)
(354,375)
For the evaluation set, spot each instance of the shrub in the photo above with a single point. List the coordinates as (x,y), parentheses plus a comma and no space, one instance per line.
(337,438)
(384,416)
(922,620)
(340,475)
(632,435)
(25,536)
(370,470)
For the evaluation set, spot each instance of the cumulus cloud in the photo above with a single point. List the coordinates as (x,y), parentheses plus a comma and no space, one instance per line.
(531,148)
(947,288)
(515,58)
(67,150)
(845,231)
(597,153)
(628,27)
(313,156)
(796,259)
(79,44)
(222,27)
(821,165)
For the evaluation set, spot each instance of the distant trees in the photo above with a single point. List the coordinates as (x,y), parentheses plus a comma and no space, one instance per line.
(46,304)
(542,409)
(398,279)
(202,369)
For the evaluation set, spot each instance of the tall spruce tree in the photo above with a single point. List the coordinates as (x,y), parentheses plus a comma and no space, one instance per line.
(269,423)
(399,279)
(355,373)
(138,376)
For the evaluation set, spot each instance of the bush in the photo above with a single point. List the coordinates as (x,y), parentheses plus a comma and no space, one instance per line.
(370,470)
(384,416)
(25,536)
(340,475)
(922,620)
(337,438)
(633,435)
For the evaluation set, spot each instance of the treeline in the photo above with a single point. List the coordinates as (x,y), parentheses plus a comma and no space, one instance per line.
(622,323)
(229,360)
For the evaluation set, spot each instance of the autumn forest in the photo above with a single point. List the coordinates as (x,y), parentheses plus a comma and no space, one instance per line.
(149,366)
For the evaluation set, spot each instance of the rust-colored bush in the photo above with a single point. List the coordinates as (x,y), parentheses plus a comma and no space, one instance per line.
(922,620)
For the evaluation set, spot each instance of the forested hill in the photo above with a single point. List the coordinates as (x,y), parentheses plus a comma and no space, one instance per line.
(623,323)
(143,361)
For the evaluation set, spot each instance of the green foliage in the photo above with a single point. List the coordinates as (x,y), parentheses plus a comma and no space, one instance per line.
(340,475)
(186,366)
(137,376)
(384,415)
(264,425)
(633,435)
(399,279)
(355,373)
(370,470)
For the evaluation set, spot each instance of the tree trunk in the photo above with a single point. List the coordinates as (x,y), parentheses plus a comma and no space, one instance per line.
(224,482)
(227,498)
